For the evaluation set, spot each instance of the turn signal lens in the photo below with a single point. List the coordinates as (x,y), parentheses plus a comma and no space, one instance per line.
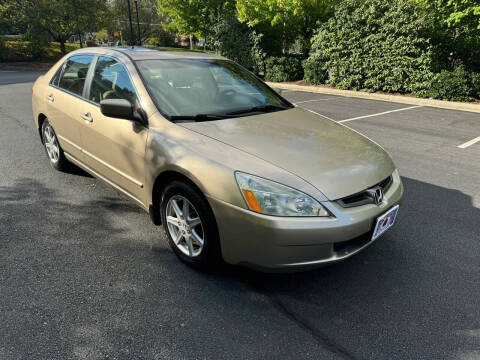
(252,202)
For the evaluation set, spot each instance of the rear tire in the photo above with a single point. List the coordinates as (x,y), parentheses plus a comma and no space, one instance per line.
(190,226)
(52,147)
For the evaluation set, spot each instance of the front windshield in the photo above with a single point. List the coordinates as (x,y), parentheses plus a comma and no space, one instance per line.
(193,87)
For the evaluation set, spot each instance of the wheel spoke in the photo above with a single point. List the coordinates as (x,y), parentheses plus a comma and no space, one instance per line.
(176,208)
(50,134)
(178,237)
(197,238)
(186,210)
(188,240)
(194,222)
(49,150)
(48,138)
(174,221)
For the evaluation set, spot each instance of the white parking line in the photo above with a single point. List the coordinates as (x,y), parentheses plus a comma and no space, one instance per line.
(325,116)
(305,101)
(469,143)
(382,113)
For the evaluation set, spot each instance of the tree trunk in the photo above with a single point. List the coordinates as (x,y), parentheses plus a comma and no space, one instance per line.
(62,46)
(80,40)
(191,42)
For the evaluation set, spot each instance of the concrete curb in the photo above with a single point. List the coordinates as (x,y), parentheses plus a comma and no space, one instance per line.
(452,105)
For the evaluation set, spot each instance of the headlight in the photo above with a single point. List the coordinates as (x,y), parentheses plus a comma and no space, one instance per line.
(271,198)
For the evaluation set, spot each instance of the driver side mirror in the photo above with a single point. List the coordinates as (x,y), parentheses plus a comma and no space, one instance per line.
(122,109)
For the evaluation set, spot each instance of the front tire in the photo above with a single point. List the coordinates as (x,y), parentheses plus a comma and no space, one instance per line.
(190,225)
(52,147)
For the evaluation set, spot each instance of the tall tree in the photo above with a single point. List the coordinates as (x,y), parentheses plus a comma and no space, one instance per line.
(5,22)
(150,23)
(289,18)
(457,30)
(192,17)
(59,18)
(456,13)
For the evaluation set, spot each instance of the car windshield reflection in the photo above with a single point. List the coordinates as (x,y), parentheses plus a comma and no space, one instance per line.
(207,89)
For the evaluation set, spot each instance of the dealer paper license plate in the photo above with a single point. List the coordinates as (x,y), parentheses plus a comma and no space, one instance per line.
(385,222)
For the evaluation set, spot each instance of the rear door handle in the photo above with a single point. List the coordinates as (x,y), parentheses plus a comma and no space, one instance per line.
(50,98)
(87,117)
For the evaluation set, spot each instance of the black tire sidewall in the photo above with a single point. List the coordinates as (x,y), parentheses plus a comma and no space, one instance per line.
(210,255)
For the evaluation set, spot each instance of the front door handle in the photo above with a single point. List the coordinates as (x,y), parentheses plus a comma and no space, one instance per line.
(50,98)
(87,117)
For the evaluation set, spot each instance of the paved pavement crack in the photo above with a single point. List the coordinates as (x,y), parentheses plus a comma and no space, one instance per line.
(302,323)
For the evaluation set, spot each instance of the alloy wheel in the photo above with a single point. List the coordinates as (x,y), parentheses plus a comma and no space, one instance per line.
(51,143)
(185,226)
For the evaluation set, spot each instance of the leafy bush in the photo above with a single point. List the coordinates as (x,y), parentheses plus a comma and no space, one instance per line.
(3,50)
(372,45)
(30,51)
(284,68)
(153,41)
(476,85)
(314,70)
(456,85)
(161,38)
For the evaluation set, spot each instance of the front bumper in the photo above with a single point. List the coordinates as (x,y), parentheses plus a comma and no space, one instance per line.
(281,243)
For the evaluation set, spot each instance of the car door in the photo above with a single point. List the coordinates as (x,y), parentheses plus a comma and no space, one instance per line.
(65,101)
(114,148)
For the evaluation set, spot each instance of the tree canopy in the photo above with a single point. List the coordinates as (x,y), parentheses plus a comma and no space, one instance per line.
(59,18)
(290,18)
(456,13)
(192,16)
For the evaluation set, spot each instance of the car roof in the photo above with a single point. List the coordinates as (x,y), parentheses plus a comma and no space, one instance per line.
(141,53)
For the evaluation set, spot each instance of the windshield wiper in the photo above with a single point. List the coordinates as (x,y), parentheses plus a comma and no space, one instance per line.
(198,117)
(260,108)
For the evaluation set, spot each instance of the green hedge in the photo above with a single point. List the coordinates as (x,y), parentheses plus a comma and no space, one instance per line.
(30,51)
(284,68)
(372,45)
(377,45)
(315,71)
(455,85)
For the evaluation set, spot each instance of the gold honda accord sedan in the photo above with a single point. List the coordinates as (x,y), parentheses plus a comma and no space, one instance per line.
(232,170)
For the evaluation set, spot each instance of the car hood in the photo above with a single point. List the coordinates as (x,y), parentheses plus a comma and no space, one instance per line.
(335,159)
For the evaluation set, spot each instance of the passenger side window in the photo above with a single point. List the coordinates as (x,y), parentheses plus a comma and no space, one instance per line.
(74,74)
(111,81)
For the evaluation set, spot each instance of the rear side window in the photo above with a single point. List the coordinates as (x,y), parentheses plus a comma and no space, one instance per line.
(75,73)
(56,78)
(111,81)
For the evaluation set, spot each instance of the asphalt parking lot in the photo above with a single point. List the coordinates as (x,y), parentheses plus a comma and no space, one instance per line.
(85,275)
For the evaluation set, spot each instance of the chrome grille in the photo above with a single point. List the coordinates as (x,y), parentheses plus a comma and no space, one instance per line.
(363,197)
